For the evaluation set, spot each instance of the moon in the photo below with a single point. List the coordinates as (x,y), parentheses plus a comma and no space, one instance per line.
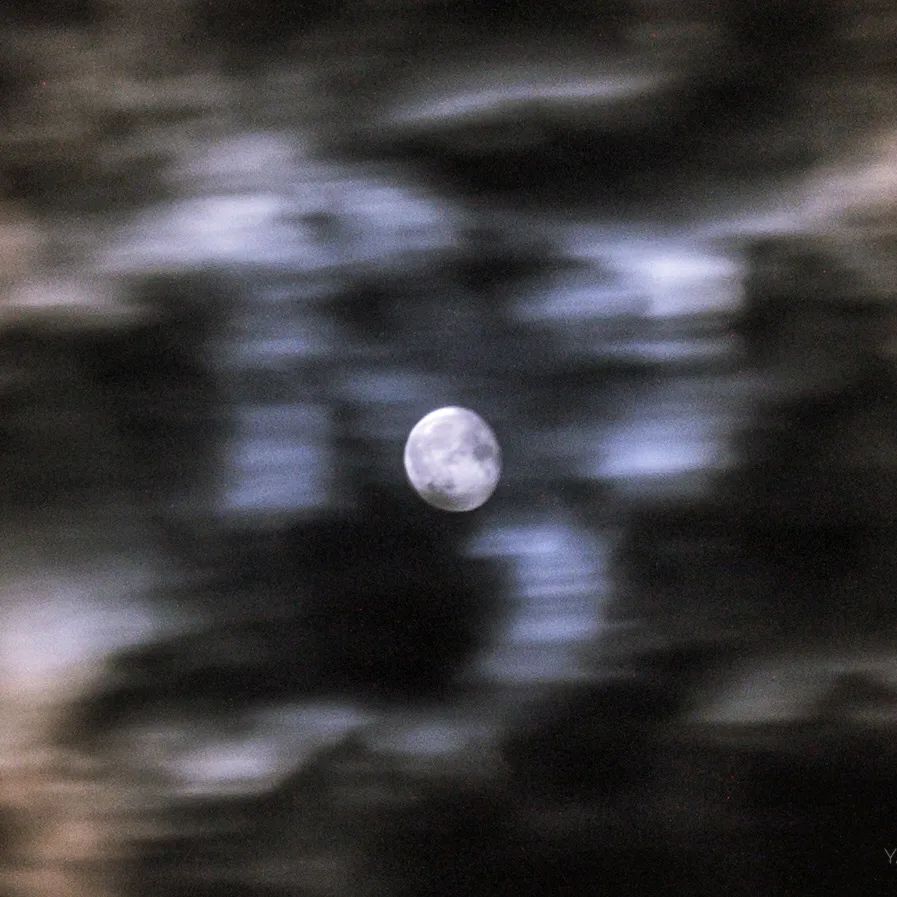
(453,459)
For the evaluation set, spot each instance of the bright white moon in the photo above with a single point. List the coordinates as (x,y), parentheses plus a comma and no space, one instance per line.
(452,459)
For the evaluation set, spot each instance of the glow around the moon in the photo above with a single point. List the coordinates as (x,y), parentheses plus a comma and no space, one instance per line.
(453,459)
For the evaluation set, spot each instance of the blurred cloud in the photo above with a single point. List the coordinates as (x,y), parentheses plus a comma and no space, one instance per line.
(243,250)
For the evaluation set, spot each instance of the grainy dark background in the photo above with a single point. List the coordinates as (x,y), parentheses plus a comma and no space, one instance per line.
(245,246)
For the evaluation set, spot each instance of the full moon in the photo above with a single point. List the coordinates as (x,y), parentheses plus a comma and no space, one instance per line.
(452,459)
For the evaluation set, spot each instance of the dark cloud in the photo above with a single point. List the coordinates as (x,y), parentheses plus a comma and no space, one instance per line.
(376,607)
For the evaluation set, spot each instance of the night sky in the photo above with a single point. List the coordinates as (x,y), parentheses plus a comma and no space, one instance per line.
(245,246)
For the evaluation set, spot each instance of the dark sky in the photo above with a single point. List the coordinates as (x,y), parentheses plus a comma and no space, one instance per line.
(245,246)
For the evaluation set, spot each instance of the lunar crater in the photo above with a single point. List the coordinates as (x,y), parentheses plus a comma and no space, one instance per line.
(483,452)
